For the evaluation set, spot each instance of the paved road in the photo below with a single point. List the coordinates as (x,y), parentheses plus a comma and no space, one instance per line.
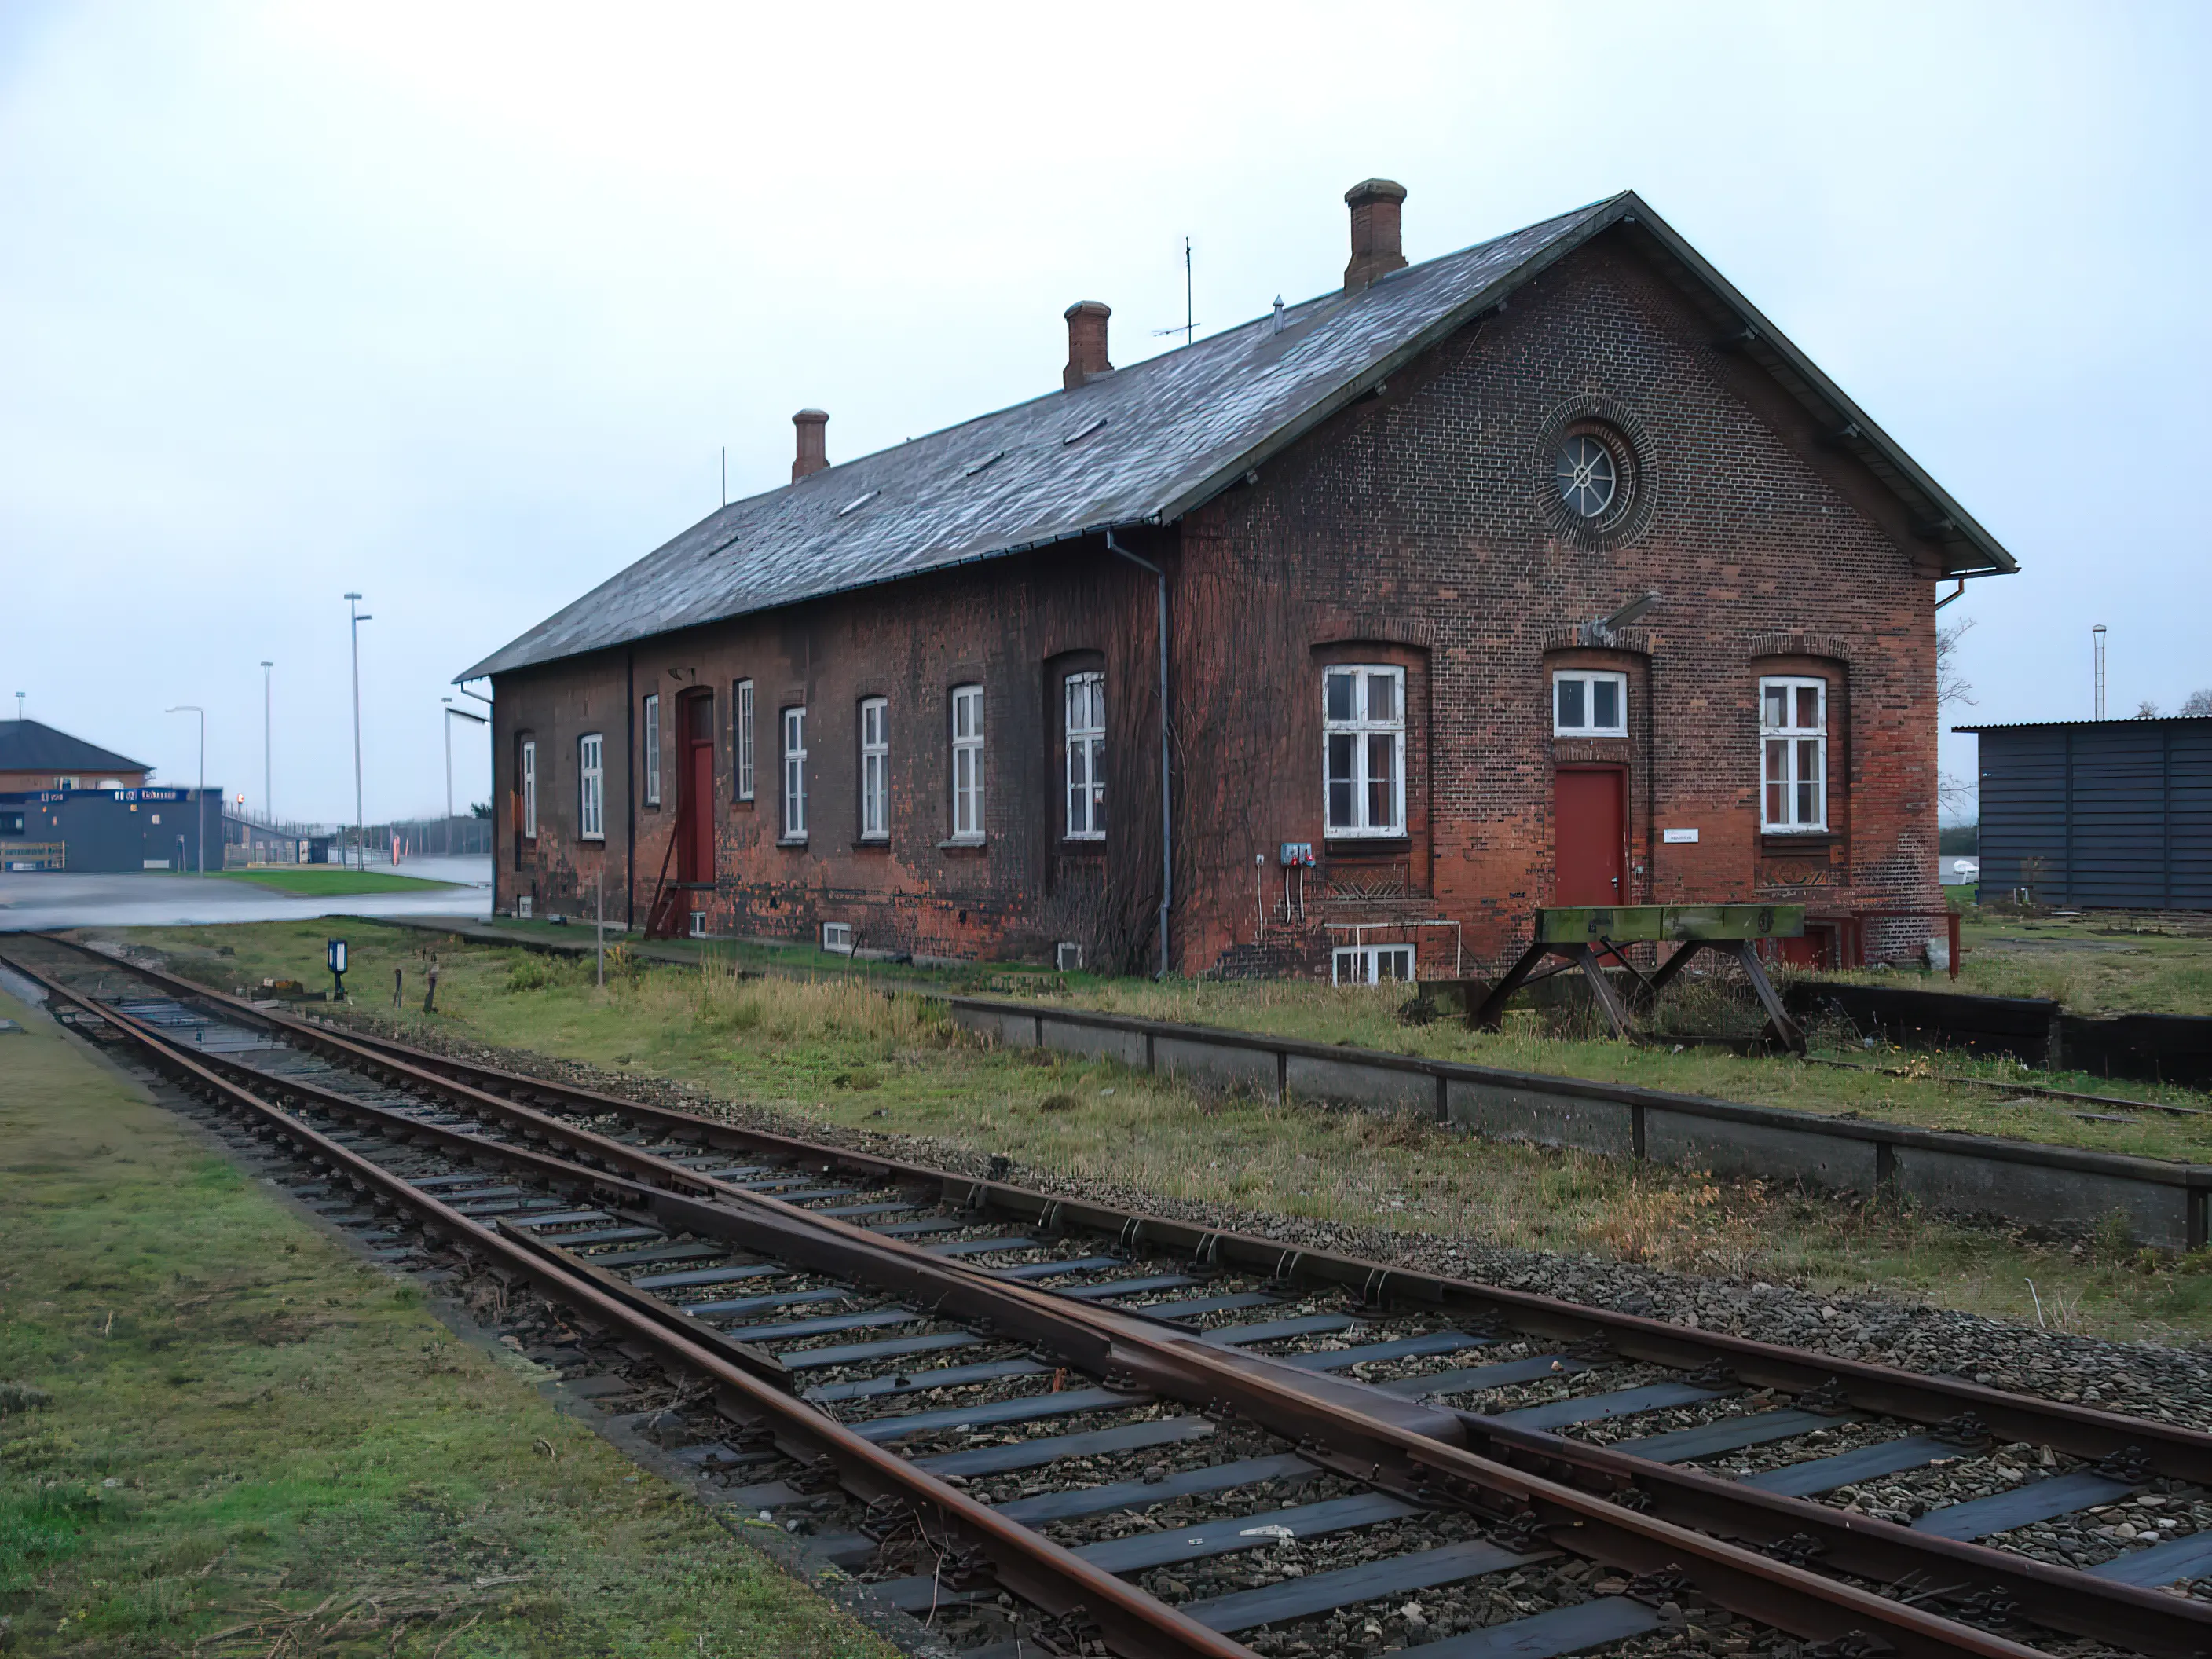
(33,899)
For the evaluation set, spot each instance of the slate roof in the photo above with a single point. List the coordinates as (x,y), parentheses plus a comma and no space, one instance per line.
(1147,443)
(30,747)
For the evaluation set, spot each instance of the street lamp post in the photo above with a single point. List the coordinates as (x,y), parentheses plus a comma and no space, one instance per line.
(199,795)
(355,617)
(268,706)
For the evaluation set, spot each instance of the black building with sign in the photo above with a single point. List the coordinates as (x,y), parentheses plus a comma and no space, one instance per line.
(2099,814)
(103,830)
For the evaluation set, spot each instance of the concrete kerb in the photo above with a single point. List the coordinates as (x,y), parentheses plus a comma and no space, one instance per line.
(2021,1183)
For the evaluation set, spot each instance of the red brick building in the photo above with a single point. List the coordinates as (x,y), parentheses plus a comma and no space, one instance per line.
(1544,572)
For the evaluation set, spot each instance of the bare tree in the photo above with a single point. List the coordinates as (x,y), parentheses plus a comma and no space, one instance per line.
(1950,687)
(1954,794)
(2146,710)
(2197,703)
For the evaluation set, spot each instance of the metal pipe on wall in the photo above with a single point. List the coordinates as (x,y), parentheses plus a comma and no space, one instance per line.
(1167,808)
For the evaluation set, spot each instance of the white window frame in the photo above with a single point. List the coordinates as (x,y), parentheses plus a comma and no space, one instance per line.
(1787,751)
(742,719)
(793,725)
(1361,728)
(966,708)
(529,766)
(875,769)
(653,750)
(1366,962)
(1085,735)
(592,786)
(837,938)
(1590,678)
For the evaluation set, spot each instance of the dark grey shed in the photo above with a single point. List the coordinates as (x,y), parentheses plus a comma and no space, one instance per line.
(2102,814)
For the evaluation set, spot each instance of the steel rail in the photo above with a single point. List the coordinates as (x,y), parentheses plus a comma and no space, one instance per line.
(2077,1430)
(1421,1465)
(1024,1561)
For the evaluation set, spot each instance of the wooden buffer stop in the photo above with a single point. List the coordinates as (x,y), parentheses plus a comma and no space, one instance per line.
(1584,936)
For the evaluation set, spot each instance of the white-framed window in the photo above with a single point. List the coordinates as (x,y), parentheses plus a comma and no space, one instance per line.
(528,767)
(875,769)
(1589,703)
(967,763)
(1371,964)
(1793,754)
(1086,757)
(592,786)
(1363,742)
(794,775)
(653,750)
(741,737)
(837,936)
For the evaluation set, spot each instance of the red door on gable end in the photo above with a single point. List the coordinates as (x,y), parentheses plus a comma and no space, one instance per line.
(1589,836)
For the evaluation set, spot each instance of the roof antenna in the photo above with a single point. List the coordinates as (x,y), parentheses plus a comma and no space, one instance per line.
(1279,313)
(19,707)
(1189,329)
(725,475)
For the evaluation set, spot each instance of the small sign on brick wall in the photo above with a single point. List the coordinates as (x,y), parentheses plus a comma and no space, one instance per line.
(1678,837)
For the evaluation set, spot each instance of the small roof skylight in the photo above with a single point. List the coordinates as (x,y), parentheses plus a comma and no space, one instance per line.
(1078,437)
(970,471)
(858,502)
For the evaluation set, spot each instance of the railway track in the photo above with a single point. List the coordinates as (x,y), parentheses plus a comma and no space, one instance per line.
(1042,1425)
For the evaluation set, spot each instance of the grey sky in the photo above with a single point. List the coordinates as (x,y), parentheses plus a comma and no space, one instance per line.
(457,304)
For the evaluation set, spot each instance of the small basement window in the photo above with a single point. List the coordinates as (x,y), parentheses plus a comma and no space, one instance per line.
(1371,964)
(837,936)
(1589,704)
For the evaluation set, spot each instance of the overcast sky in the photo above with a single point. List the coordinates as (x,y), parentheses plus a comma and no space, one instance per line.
(458,305)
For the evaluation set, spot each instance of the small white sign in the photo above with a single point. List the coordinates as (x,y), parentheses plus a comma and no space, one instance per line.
(1676,837)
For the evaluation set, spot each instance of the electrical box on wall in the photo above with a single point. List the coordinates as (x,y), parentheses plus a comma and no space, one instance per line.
(1297,855)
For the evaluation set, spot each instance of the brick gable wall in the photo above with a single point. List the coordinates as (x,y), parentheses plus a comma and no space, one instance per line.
(1422,520)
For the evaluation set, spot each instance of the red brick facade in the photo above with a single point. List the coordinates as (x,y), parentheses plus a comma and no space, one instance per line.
(1420,529)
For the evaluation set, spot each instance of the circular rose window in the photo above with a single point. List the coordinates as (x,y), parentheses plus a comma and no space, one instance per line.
(1588,477)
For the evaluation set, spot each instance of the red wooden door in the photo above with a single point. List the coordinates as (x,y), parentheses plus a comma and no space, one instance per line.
(1590,837)
(695,792)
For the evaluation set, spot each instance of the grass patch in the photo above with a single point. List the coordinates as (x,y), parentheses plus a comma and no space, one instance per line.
(837,1051)
(212,1418)
(315,881)
(1363,1017)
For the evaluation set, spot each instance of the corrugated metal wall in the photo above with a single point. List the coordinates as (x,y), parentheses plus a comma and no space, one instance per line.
(2114,814)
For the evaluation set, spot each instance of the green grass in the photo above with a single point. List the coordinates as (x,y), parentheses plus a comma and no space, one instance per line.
(837,1051)
(239,1428)
(1927,1096)
(318,881)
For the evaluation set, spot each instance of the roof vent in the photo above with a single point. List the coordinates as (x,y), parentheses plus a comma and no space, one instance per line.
(1376,249)
(1086,343)
(813,455)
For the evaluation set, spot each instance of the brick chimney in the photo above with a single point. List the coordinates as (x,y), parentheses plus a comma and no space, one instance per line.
(812,456)
(1086,343)
(1376,251)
